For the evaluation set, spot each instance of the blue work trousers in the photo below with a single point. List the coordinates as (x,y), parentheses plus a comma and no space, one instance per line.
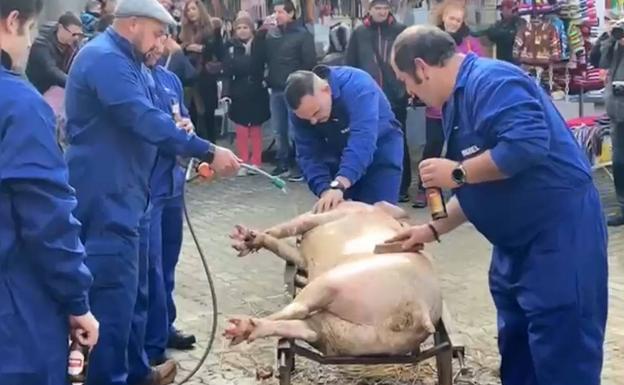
(382,180)
(139,367)
(118,301)
(33,330)
(165,245)
(551,301)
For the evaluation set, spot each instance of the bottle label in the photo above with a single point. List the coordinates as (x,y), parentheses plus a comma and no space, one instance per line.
(435,201)
(76,363)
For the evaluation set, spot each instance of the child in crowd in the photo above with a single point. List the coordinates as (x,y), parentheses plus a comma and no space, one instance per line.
(243,86)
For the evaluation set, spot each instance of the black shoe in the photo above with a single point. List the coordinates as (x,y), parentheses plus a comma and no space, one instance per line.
(615,220)
(181,341)
(404,198)
(279,171)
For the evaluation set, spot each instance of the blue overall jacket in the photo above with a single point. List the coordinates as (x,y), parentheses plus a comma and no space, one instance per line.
(361,133)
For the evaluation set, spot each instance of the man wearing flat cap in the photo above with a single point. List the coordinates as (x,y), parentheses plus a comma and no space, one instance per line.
(114,132)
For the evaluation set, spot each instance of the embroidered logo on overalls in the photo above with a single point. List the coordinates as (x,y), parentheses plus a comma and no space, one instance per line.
(470,151)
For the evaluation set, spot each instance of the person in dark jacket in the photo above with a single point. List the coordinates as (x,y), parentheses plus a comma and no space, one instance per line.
(503,32)
(204,47)
(350,144)
(245,89)
(369,49)
(53,51)
(289,47)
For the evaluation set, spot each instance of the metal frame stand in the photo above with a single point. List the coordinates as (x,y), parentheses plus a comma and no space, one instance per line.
(443,349)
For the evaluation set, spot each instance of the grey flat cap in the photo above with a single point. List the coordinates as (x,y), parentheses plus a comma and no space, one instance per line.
(151,9)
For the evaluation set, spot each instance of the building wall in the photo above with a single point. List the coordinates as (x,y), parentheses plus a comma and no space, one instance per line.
(55,8)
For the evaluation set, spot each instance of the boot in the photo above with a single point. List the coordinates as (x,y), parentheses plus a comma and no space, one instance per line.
(163,374)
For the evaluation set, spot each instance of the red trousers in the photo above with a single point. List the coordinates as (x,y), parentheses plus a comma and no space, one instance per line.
(243,135)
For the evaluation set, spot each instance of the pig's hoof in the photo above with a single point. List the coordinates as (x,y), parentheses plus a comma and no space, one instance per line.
(238,330)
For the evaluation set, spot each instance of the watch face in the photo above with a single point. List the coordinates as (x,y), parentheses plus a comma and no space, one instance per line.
(334,184)
(458,175)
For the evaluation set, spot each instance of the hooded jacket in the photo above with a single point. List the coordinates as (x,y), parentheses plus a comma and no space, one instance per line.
(370,48)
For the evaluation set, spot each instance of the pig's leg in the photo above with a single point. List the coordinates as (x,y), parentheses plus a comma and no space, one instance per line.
(316,296)
(250,329)
(304,223)
(248,241)
(296,329)
(283,250)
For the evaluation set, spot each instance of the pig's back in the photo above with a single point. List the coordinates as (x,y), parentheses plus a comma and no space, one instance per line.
(348,238)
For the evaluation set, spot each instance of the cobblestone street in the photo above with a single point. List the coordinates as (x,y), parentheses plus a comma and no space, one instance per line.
(254,286)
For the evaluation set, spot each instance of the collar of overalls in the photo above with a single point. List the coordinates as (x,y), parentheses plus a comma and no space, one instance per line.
(326,73)
(124,45)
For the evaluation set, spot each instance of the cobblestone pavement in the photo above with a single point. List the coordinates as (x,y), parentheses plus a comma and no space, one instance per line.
(254,285)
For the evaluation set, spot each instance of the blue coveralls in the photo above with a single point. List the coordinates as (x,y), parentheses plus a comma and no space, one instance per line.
(43,278)
(114,131)
(548,274)
(167,184)
(362,140)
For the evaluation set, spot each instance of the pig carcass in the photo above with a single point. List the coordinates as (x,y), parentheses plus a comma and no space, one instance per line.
(356,302)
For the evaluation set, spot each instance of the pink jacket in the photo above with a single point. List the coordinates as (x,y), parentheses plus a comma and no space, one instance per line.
(469,44)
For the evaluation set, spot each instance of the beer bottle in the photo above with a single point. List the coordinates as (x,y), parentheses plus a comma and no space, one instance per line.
(77,364)
(436,204)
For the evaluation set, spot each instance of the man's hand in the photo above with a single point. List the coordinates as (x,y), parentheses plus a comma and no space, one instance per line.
(437,172)
(329,200)
(413,236)
(225,163)
(186,125)
(84,329)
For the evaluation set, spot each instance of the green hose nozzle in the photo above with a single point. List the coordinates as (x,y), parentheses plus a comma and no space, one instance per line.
(276,181)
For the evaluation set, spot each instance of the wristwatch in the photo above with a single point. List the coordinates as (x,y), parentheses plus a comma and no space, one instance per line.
(336,185)
(459,175)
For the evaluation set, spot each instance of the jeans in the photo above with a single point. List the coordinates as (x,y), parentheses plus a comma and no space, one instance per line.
(283,130)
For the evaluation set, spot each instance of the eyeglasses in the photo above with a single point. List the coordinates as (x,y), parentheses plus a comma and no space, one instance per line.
(74,34)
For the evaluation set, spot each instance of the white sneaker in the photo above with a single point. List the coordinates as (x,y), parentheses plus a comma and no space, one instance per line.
(242,172)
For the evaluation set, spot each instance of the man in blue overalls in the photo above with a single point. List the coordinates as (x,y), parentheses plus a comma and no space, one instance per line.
(520,177)
(167,184)
(44,282)
(114,132)
(349,144)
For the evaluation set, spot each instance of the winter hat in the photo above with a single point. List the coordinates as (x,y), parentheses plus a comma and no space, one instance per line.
(150,9)
(244,20)
(379,2)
